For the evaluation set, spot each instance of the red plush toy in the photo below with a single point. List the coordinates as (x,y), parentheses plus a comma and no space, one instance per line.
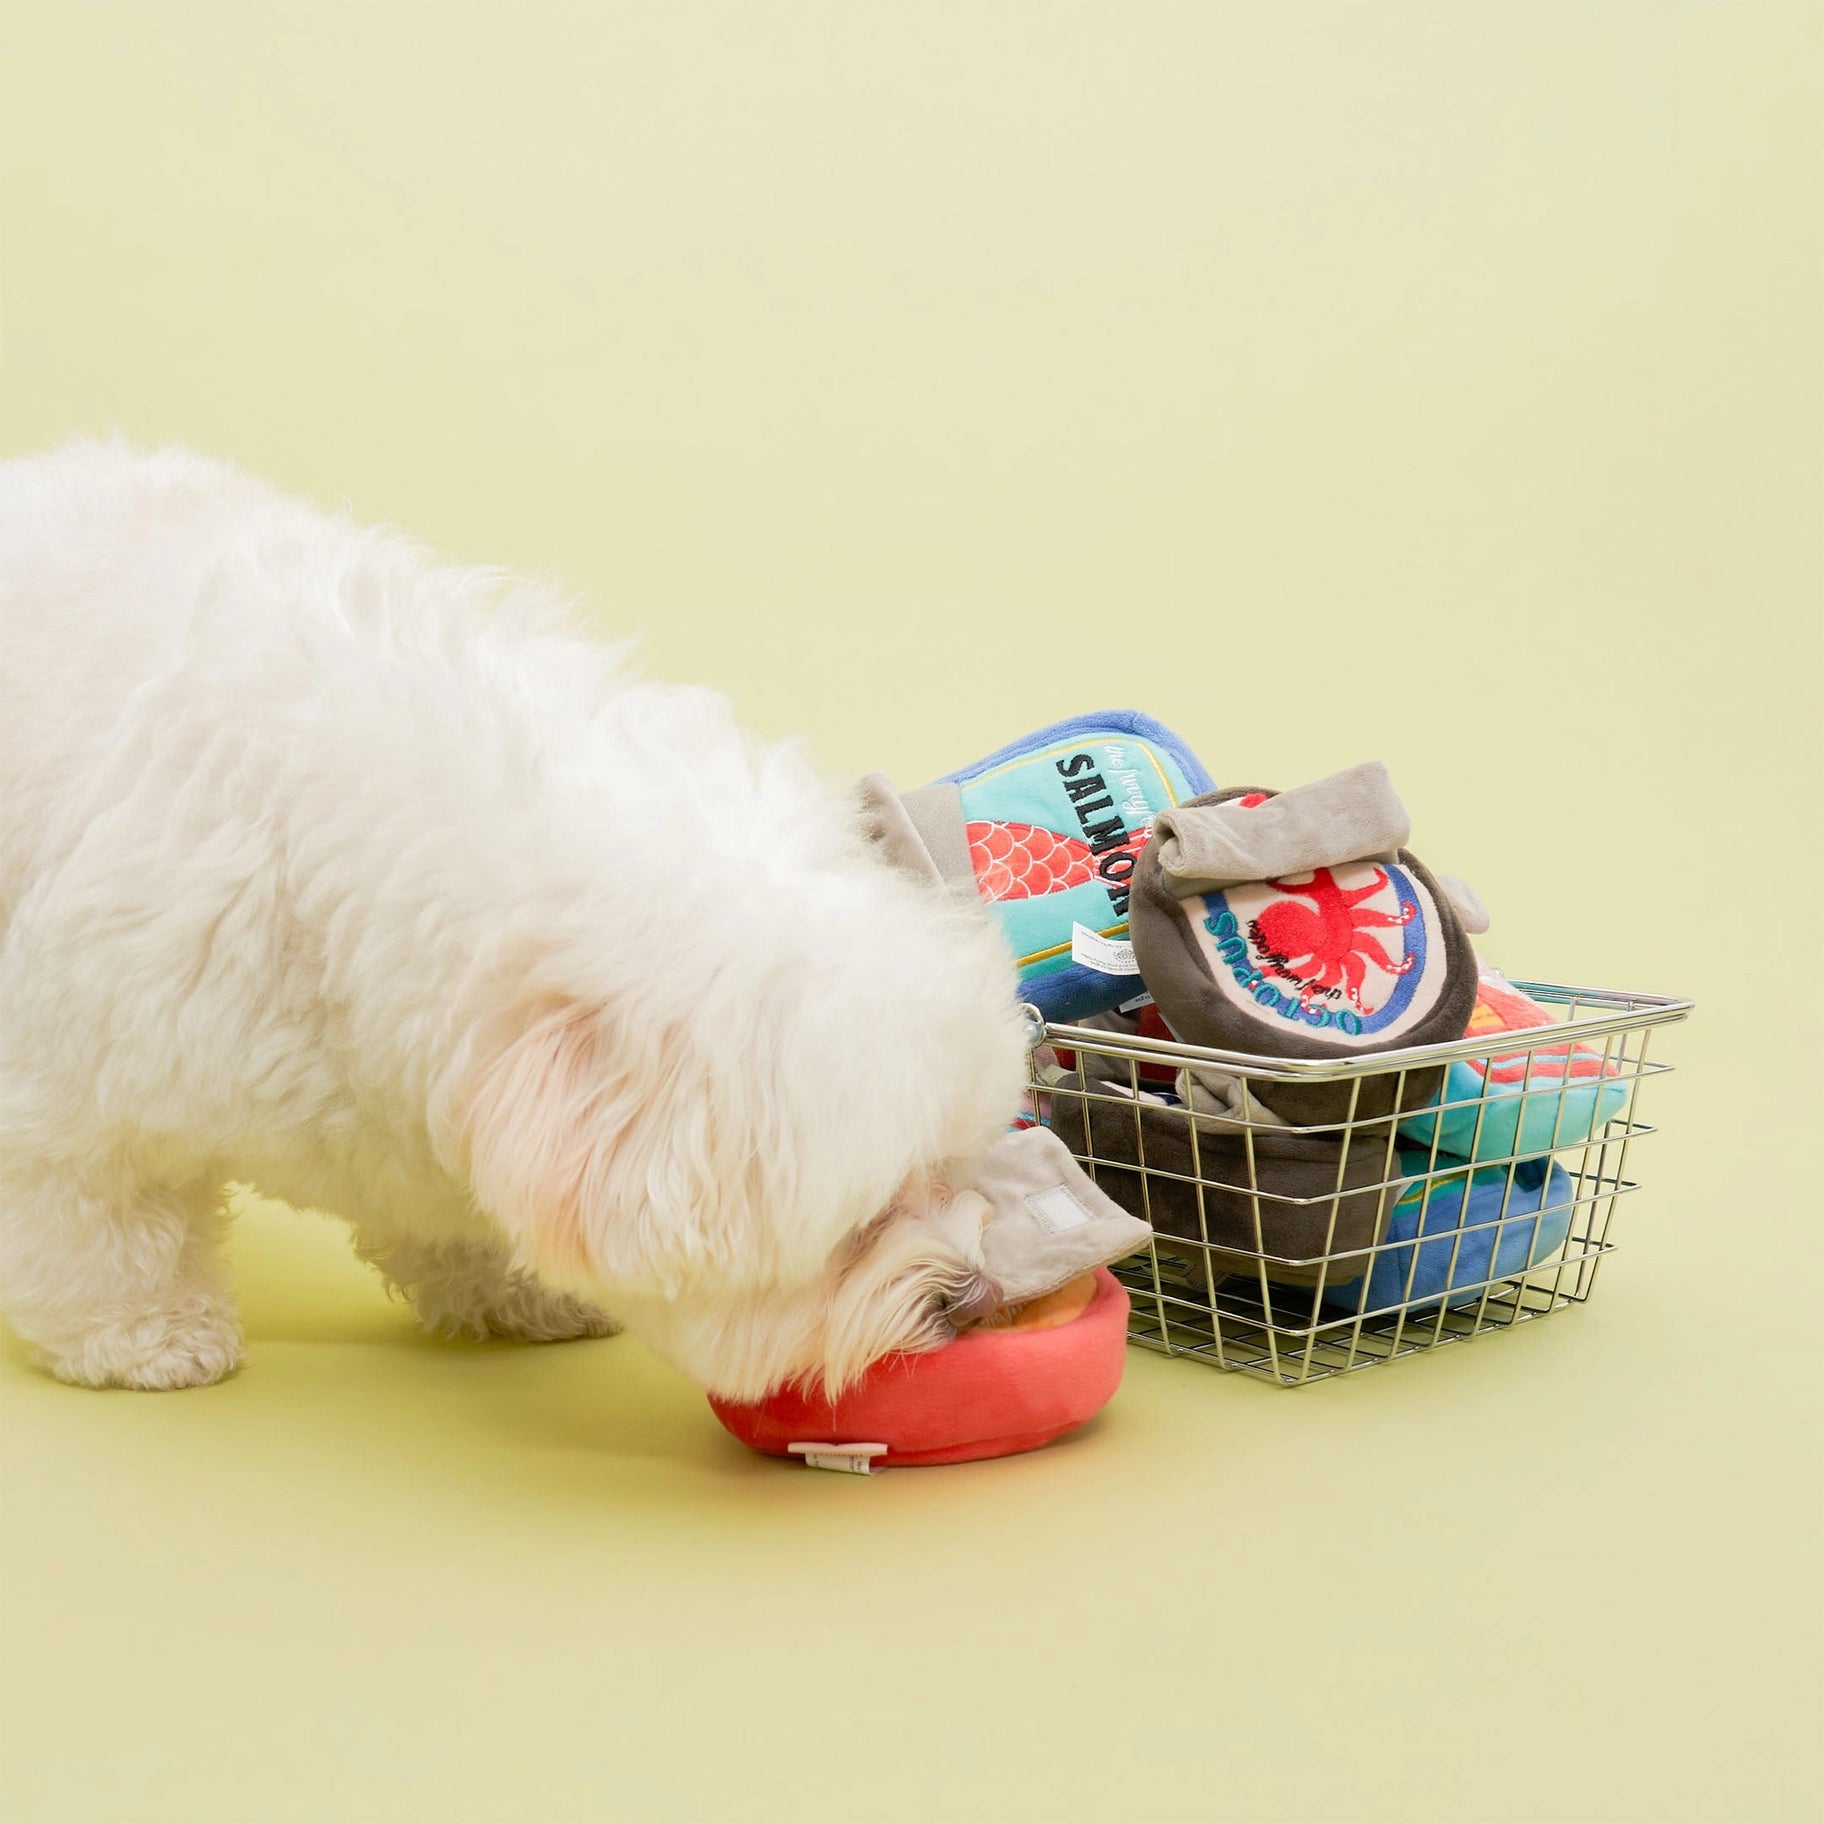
(1048,1361)
(992,1393)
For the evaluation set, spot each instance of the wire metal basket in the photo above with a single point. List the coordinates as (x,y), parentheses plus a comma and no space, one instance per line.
(1297,1251)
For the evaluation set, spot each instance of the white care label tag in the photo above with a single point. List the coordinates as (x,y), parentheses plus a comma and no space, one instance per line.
(851,1459)
(1058,1212)
(1108,955)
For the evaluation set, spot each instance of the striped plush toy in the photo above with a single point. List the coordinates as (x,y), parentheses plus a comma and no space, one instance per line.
(1520,1102)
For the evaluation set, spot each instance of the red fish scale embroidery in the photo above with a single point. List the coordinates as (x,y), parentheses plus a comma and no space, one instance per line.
(1022,861)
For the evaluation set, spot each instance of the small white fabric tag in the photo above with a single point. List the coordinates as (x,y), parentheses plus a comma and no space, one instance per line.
(1134,1006)
(1107,955)
(851,1459)
(1058,1212)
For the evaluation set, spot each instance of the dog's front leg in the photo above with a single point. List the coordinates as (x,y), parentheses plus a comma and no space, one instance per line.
(472,1289)
(113,1280)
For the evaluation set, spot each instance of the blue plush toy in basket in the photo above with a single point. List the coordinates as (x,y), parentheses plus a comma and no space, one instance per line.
(1462,1229)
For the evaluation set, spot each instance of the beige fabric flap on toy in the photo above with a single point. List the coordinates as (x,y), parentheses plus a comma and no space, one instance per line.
(1048,1222)
(1349,816)
(889,826)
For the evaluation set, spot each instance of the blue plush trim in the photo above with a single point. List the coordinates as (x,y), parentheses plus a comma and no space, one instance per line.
(1076,991)
(1106,721)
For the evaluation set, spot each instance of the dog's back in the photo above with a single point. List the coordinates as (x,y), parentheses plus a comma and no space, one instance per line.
(100,549)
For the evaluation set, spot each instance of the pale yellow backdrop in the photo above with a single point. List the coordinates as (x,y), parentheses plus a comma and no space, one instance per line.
(1439,383)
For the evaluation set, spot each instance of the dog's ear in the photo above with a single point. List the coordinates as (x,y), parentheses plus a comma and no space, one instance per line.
(605,1152)
(522,1129)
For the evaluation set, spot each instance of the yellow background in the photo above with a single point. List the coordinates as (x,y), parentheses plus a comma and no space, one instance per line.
(1437,383)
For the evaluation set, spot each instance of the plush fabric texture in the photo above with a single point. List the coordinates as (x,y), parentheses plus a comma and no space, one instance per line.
(1233,840)
(1224,1099)
(1555,1097)
(1469,907)
(991,1393)
(1047,829)
(936,813)
(1048,1222)
(1342,1196)
(1336,961)
(889,826)
(1460,1231)
(1141,1022)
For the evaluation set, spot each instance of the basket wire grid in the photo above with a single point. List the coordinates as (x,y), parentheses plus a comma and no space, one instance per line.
(1242,1303)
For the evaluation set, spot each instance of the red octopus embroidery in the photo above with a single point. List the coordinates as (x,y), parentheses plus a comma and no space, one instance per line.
(1021,861)
(1327,945)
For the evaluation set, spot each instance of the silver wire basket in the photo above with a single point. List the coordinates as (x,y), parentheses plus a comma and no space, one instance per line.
(1294,1251)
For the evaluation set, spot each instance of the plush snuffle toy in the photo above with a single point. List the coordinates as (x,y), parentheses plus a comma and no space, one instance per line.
(1047,829)
(1143,1022)
(1047,1361)
(1528,1102)
(1320,1215)
(1297,924)
(1246,1187)
(1461,1231)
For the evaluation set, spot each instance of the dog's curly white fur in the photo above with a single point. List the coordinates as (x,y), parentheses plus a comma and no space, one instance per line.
(364,879)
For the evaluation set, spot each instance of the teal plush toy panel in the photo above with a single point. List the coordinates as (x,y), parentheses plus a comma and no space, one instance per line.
(1517,1117)
(1064,826)
(1056,821)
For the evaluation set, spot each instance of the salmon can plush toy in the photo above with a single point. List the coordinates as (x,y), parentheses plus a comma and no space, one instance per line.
(1046,831)
(1048,1360)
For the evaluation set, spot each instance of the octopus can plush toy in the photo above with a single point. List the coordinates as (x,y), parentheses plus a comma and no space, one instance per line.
(1297,924)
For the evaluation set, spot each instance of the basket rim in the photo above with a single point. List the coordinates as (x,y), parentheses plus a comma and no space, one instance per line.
(1627,1012)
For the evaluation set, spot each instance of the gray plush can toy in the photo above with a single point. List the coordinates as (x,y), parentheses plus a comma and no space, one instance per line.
(1297,925)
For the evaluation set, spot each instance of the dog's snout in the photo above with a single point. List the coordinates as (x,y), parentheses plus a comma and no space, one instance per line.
(977,1302)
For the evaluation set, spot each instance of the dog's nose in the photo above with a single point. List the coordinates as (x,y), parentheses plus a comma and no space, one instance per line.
(982,1299)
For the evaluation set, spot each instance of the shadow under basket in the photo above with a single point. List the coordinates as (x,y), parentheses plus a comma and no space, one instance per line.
(1452,1190)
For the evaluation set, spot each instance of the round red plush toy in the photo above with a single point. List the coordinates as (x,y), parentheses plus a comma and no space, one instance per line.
(994,1392)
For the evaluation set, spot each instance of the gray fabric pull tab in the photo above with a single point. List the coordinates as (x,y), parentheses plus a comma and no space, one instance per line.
(1465,902)
(1350,816)
(1049,1222)
(886,824)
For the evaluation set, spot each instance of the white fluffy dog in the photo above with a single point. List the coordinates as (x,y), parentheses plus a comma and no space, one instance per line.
(336,871)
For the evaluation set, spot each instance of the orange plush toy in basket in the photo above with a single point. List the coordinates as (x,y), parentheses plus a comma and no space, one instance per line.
(1049,1359)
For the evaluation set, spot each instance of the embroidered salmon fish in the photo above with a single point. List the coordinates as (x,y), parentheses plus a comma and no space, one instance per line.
(1021,861)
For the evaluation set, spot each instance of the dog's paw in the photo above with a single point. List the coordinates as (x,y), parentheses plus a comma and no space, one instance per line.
(155,1352)
(521,1310)
(535,1314)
